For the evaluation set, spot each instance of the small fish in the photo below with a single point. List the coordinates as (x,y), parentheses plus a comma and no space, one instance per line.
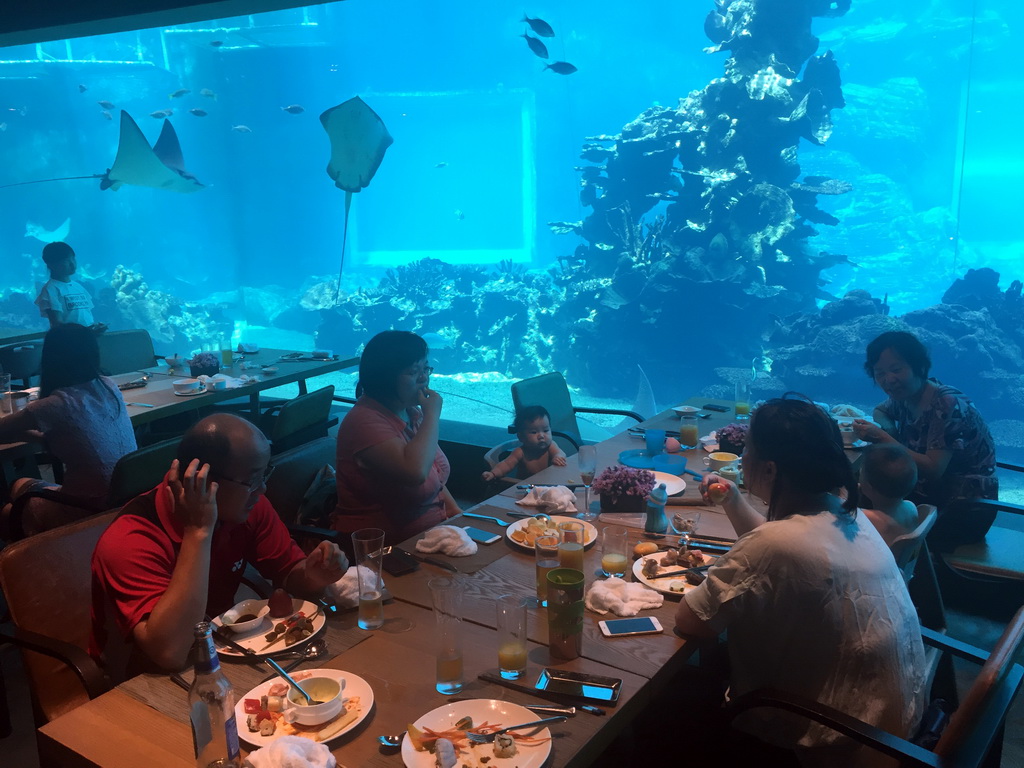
(160,113)
(106,114)
(442,164)
(82,88)
(459,215)
(561,68)
(536,46)
(208,94)
(106,104)
(539,26)
(293,109)
(241,128)
(198,112)
(216,43)
(178,93)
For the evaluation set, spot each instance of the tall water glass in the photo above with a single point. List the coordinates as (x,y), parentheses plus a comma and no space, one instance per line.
(511,636)
(446,596)
(368,547)
(546,551)
(743,399)
(570,546)
(586,459)
(5,394)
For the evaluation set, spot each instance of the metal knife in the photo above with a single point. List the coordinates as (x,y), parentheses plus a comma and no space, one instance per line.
(222,637)
(492,677)
(502,523)
(430,560)
(570,486)
(698,569)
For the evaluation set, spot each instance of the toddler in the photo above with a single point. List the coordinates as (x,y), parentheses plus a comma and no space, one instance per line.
(887,476)
(63,300)
(537,450)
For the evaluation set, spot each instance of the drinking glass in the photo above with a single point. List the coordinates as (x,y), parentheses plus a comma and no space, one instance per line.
(586,458)
(614,551)
(368,547)
(685,524)
(688,433)
(5,394)
(742,399)
(570,546)
(511,636)
(546,550)
(654,441)
(446,595)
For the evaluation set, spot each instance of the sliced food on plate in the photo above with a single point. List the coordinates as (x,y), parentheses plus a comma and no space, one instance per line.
(652,570)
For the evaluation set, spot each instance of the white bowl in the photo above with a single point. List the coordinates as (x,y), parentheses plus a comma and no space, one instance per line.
(184,386)
(686,410)
(323,689)
(255,607)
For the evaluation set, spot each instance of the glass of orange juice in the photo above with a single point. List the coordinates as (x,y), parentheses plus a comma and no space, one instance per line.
(688,435)
(570,548)
(614,551)
(742,399)
(546,550)
(511,636)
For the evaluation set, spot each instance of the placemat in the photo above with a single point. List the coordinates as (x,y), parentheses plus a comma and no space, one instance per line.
(159,692)
(485,553)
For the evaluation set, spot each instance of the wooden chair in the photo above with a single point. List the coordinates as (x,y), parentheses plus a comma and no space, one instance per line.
(134,473)
(46,580)
(126,351)
(551,391)
(974,734)
(907,547)
(22,361)
(299,420)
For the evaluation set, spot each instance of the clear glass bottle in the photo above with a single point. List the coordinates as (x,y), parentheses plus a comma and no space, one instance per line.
(211,702)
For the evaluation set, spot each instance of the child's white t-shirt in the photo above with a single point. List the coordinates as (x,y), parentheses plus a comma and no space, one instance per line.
(69,300)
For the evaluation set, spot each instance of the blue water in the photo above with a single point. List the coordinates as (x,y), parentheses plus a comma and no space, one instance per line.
(485,146)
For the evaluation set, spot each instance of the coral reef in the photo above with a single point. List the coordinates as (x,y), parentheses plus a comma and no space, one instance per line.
(733,214)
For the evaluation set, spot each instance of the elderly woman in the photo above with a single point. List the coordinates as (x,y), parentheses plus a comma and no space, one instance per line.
(81,417)
(810,594)
(391,473)
(946,436)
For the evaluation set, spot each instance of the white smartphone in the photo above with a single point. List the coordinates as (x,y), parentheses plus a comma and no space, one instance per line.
(641,625)
(484,537)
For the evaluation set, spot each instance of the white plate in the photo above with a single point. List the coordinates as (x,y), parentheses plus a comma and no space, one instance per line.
(686,410)
(662,585)
(492,711)
(673,483)
(255,639)
(190,394)
(589,531)
(354,686)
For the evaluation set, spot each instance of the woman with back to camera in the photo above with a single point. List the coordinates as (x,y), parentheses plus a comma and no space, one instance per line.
(391,473)
(810,594)
(83,421)
(945,434)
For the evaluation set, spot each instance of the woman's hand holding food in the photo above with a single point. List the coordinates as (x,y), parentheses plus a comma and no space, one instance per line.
(431,402)
(193,496)
(868,431)
(718,490)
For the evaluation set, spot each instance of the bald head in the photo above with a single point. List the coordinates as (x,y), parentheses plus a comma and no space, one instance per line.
(223,441)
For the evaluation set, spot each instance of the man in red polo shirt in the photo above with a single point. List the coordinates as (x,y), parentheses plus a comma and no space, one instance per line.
(178,552)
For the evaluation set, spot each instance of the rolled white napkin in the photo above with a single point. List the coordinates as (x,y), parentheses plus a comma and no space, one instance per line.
(555,499)
(621,598)
(448,540)
(291,752)
(345,591)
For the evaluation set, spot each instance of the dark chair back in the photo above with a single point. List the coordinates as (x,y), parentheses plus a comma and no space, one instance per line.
(294,471)
(141,471)
(23,361)
(551,391)
(46,580)
(304,418)
(126,351)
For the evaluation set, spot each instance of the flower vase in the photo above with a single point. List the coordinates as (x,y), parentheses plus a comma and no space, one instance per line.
(198,370)
(728,446)
(623,503)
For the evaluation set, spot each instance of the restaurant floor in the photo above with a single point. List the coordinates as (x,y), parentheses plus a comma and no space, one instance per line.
(19,749)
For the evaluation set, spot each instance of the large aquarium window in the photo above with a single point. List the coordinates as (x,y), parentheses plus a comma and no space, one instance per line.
(656,199)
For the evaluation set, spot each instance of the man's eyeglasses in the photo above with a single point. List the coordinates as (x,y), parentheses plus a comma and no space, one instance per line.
(252,485)
(426,370)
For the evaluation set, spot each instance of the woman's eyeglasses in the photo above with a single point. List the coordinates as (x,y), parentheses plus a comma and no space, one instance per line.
(416,373)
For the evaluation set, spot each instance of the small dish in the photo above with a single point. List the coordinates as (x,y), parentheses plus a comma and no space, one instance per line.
(686,410)
(269,369)
(257,608)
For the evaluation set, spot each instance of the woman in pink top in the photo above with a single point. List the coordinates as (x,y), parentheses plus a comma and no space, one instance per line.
(391,474)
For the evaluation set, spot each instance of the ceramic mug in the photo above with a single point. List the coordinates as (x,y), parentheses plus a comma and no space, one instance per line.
(216,385)
(715,461)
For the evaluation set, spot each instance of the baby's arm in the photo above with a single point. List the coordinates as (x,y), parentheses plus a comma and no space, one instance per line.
(556,454)
(502,468)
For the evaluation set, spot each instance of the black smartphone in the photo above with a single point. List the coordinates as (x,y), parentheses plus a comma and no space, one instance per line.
(398,563)
(716,408)
(484,537)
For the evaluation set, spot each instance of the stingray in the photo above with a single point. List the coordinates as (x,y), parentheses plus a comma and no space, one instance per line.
(359,140)
(138,164)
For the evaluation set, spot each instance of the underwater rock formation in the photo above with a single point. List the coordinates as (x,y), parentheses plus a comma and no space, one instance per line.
(729,238)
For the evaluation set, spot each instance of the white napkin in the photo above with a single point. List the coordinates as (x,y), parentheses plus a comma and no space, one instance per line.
(345,591)
(709,441)
(232,382)
(448,540)
(555,499)
(291,752)
(621,598)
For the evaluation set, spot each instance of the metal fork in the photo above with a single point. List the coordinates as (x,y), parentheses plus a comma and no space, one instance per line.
(487,738)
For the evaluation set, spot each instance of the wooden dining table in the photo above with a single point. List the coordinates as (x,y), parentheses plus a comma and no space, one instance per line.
(144,721)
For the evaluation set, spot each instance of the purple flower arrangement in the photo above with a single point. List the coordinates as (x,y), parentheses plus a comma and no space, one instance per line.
(734,436)
(205,360)
(623,481)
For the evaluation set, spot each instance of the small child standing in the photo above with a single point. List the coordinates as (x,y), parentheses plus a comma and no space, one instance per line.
(63,300)
(887,476)
(537,450)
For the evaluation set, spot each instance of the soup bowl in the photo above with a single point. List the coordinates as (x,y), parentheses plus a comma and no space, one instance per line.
(326,690)
(186,386)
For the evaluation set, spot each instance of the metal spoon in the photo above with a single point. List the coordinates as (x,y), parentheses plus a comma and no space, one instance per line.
(291,682)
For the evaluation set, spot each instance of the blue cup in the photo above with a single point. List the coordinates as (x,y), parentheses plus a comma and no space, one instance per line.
(655,440)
